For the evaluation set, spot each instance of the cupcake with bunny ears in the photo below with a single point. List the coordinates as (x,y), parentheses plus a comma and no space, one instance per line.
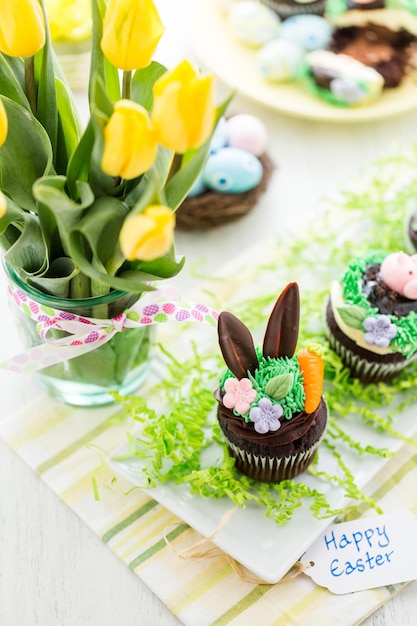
(270,405)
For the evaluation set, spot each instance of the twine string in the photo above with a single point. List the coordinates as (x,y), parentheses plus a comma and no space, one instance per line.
(194,552)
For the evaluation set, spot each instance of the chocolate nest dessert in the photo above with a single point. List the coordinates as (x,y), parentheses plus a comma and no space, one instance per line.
(391,52)
(372,316)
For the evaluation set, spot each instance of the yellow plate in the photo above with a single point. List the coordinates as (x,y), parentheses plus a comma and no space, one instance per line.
(235,64)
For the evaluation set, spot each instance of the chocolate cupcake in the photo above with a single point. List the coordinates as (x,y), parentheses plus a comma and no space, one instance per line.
(270,407)
(372,316)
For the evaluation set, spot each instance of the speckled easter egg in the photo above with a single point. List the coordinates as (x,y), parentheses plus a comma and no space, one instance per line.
(231,170)
(247,132)
(311,32)
(253,23)
(218,139)
(280,60)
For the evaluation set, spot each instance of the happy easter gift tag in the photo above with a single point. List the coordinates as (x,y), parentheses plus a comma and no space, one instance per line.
(365,553)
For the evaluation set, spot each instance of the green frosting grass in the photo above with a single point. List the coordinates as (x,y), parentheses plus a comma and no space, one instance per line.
(183,443)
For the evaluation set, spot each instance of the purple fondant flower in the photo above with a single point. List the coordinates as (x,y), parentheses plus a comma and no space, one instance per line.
(266,416)
(239,394)
(380,331)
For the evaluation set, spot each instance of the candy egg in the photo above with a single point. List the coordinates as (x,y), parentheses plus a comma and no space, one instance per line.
(247,132)
(253,23)
(231,170)
(280,60)
(218,139)
(311,32)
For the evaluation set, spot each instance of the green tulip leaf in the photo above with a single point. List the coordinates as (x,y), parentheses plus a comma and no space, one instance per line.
(68,127)
(57,279)
(11,77)
(25,156)
(143,81)
(165,267)
(278,387)
(100,66)
(352,315)
(58,213)
(79,165)
(46,100)
(21,235)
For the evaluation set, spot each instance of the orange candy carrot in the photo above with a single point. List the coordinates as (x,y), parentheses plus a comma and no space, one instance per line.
(312,367)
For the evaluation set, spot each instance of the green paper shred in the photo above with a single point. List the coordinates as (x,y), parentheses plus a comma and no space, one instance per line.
(183,443)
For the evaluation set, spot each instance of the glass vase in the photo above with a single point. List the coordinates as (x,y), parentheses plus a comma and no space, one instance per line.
(121,364)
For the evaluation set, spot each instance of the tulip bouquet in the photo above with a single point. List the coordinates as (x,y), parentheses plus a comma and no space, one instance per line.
(85,212)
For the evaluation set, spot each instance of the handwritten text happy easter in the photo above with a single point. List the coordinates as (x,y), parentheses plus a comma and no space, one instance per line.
(371,547)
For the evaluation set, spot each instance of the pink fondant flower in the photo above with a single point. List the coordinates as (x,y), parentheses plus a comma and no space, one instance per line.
(239,394)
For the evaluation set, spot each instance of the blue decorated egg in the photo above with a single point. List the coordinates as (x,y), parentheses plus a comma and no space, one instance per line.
(311,32)
(280,60)
(253,23)
(219,139)
(232,170)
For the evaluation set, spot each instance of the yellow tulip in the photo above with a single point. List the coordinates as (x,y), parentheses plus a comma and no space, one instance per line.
(22,27)
(69,20)
(131,32)
(3,204)
(3,124)
(183,112)
(130,145)
(149,235)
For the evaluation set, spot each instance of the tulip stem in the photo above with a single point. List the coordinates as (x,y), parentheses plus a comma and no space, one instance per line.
(127,85)
(30,83)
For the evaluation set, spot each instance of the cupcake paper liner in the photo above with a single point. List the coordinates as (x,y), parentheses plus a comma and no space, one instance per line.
(285,11)
(272,469)
(366,370)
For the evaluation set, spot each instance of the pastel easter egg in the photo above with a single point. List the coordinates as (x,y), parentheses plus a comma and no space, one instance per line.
(280,60)
(218,139)
(231,170)
(247,132)
(253,23)
(311,32)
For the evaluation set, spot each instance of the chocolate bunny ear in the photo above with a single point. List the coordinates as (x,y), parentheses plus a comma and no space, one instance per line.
(237,345)
(282,330)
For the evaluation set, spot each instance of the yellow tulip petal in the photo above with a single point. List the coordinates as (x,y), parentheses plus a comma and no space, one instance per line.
(3,204)
(22,27)
(184,110)
(130,144)
(149,235)
(3,124)
(131,32)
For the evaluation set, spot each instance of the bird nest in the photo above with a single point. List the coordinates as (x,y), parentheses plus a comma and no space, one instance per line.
(213,208)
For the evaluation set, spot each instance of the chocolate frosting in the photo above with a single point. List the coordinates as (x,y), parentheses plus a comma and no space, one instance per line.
(290,430)
(387,301)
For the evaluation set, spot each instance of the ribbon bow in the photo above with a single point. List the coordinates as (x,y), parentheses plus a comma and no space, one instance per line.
(83,334)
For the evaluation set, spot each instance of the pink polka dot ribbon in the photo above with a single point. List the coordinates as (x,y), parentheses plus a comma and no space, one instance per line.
(85,334)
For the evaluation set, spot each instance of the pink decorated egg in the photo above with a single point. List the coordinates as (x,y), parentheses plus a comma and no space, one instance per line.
(247,132)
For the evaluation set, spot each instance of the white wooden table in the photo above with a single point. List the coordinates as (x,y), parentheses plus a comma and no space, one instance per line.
(53,570)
